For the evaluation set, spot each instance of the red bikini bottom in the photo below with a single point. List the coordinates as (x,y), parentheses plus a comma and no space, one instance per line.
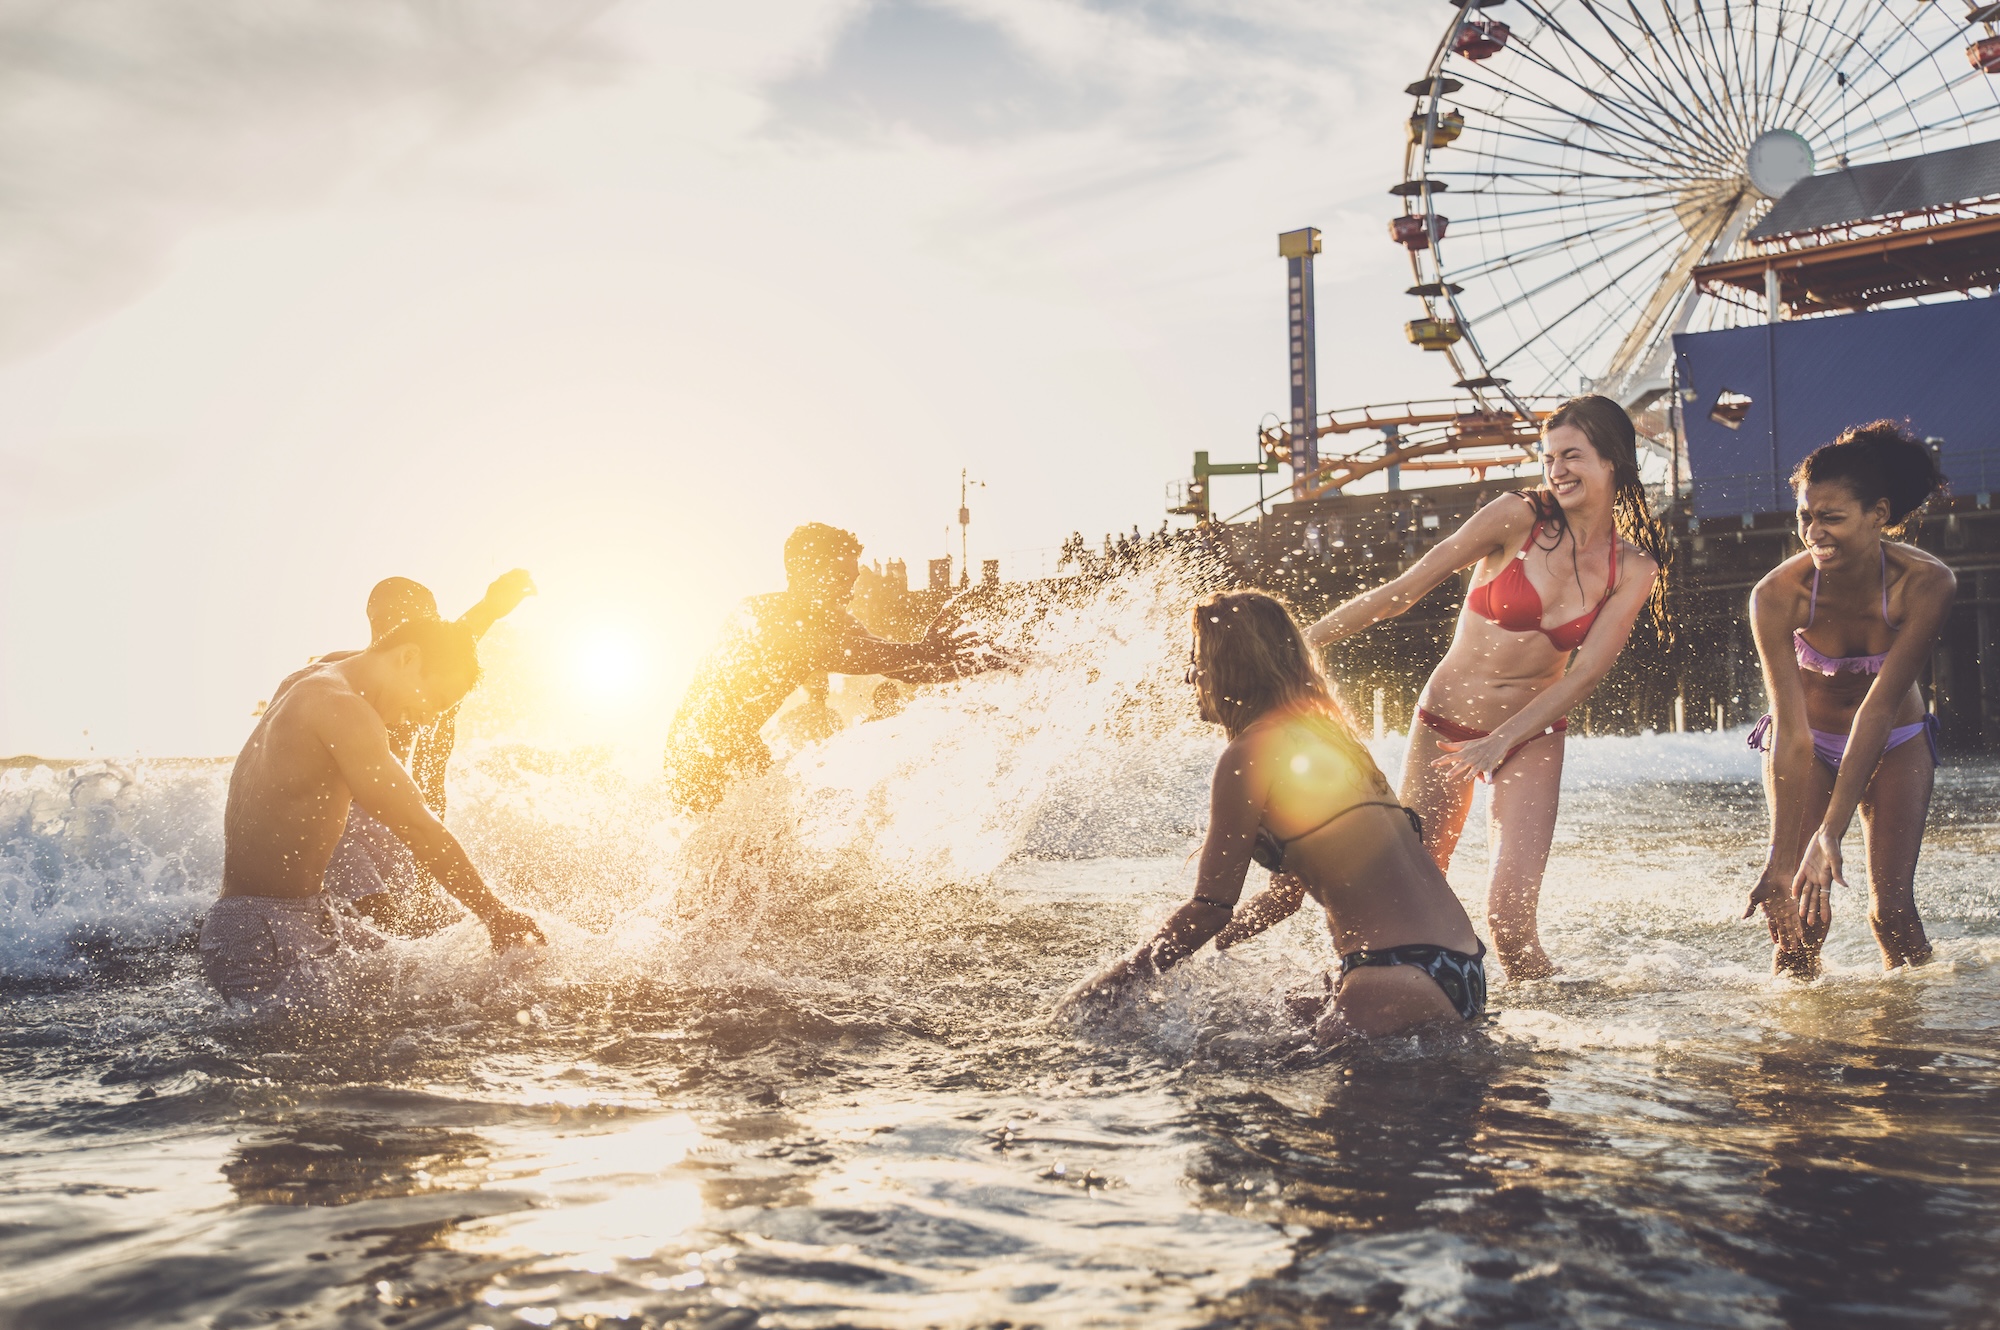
(1465,734)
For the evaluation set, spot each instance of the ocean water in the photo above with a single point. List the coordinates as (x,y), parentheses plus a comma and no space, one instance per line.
(793,1065)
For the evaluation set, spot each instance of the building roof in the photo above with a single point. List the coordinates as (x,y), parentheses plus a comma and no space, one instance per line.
(1868,270)
(1881,189)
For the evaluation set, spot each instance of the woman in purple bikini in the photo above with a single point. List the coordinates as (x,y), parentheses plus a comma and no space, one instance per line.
(1843,630)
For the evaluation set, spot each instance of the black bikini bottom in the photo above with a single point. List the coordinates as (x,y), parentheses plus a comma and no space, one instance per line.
(1462,977)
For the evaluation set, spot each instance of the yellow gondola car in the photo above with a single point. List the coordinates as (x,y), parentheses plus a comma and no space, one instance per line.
(1449,126)
(1433,334)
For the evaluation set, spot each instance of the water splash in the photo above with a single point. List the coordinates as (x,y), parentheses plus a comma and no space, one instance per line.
(802,1046)
(104,860)
(870,861)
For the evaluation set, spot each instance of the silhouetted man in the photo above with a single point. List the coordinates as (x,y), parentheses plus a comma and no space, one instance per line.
(778,642)
(321,745)
(372,871)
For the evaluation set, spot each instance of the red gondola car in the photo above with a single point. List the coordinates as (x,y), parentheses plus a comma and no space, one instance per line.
(1411,232)
(1480,38)
(1985,55)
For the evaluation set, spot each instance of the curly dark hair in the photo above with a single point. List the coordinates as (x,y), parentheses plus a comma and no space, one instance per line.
(1877,461)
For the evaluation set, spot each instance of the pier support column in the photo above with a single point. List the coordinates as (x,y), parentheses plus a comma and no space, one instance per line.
(1984,585)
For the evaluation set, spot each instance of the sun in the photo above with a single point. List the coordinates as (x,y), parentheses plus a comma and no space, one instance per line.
(609,664)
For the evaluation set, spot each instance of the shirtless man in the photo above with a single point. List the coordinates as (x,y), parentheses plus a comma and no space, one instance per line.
(322,744)
(780,642)
(396,601)
(372,871)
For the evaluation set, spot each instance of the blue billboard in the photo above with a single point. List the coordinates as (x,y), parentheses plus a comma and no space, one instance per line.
(1756,400)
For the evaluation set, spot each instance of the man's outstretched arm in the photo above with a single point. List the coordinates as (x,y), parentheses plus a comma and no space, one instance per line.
(855,650)
(938,656)
(501,599)
(359,744)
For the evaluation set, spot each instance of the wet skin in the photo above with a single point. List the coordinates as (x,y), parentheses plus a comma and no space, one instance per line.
(425,750)
(323,743)
(1512,685)
(780,642)
(1811,808)
(1367,870)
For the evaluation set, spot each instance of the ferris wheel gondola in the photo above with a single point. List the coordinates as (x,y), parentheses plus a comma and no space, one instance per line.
(1591,155)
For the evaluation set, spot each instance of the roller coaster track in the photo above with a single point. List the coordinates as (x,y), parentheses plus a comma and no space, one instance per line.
(1437,435)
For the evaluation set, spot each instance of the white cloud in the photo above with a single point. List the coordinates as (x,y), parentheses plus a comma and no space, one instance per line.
(127,126)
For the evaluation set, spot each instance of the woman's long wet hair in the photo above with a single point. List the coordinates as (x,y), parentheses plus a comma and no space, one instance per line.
(1879,460)
(1609,429)
(1251,658)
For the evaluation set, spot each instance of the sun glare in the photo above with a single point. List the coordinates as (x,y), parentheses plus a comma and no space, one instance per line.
(608,665)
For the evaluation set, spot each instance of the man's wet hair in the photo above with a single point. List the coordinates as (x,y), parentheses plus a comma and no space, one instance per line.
(447,648)
(815,545)
(396,601)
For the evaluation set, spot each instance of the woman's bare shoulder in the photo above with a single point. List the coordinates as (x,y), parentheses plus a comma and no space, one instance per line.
(1785,587)
(1635,562)
(1500,524)
(1919,570)
(1248,748)
(1272,738)
(1511,508)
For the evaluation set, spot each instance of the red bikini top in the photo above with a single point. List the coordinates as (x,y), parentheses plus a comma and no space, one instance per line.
(1510,600)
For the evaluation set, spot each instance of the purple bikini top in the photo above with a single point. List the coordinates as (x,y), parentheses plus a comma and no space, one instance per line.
(1812,658)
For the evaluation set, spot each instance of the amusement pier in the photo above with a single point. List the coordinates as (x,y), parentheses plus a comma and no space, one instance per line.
(1748,260)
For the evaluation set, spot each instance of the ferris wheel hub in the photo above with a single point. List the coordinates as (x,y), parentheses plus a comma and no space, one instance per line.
(1779,159)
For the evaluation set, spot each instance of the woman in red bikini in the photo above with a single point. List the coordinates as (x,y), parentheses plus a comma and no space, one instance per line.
(1843,630)
(1563,572)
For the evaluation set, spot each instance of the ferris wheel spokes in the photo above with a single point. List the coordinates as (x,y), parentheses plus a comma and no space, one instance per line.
(1697,115)
(1606,149)
(1637,370)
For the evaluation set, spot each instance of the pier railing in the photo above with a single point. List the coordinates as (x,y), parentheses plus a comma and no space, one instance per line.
(1970,471)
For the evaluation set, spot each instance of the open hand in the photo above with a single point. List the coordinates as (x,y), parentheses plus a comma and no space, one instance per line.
(964,649)
(1110,983)
(508,591)
(1819,872)
(511,927)
(1781,912)
(1466,759)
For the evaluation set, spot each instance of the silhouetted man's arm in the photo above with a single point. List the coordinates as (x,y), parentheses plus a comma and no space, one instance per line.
(501,599)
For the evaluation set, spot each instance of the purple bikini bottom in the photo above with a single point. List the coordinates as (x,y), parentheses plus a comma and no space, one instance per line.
(1831,747)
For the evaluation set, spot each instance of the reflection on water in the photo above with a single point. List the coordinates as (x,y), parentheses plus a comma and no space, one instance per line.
(793,1067)
(331,1161)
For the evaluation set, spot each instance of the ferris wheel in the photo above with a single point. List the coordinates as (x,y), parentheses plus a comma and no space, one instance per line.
(1570,163)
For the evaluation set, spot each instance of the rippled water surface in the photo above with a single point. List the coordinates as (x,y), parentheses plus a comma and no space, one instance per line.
(794,1066)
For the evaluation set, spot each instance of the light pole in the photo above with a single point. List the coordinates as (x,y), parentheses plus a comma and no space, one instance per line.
(964,538)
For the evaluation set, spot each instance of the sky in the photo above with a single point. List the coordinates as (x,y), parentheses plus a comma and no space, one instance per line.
(299,294)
